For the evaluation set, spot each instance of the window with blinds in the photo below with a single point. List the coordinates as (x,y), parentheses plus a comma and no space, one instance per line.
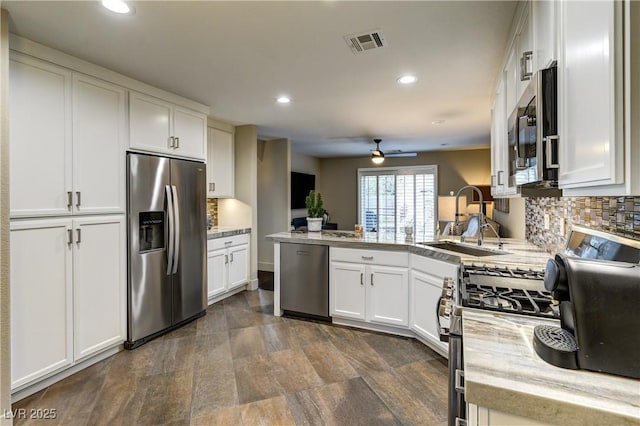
(391,198)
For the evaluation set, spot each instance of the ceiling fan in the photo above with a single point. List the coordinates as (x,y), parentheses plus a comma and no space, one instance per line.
(377,156)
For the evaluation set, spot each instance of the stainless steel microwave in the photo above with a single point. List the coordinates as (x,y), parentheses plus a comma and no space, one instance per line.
(533,134)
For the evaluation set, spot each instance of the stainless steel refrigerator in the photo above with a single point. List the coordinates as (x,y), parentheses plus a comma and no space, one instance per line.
(167,237)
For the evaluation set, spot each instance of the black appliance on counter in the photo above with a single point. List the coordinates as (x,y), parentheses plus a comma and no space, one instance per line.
(600,318)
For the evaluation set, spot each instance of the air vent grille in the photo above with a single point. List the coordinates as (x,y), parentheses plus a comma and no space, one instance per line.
(362,42)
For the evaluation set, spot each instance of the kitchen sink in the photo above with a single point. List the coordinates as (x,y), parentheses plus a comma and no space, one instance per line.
(464,249)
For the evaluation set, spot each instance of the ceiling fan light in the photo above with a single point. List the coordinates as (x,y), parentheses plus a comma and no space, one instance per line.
(377,156)
(377,159)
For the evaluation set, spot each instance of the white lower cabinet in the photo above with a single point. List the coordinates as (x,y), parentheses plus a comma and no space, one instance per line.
(427,276)
(68,295)
(99,289)
(369,285)
(227,264)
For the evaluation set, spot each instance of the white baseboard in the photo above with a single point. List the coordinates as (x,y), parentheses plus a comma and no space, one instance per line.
(265,266)
(253,285)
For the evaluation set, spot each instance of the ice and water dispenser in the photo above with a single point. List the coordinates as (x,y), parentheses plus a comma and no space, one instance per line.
(151,232)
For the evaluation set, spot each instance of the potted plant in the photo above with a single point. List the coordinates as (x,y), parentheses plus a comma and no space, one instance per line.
(315,211)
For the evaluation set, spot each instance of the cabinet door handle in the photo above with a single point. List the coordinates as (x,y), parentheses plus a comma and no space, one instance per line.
(371,279)
(367,257)
(213,186)
(499,177)
(226,243)
(171,143)
(79,238)
(69,236)
(177,143)
(361,278)
(493,180)
(525,74)
(231,257)
(226,259)
(78,199)
(69,199)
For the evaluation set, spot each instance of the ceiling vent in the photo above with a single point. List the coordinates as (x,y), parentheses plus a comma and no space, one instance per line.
(369,40)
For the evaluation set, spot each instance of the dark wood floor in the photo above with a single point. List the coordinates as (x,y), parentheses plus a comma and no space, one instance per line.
(241,365)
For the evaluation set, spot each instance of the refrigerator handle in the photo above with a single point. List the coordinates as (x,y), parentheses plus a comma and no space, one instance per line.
(167,190)
(176,216)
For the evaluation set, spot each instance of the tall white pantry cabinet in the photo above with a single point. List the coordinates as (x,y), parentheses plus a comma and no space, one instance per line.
(68,237)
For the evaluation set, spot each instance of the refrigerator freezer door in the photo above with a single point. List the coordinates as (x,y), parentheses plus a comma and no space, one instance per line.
(149,304)
(189,280)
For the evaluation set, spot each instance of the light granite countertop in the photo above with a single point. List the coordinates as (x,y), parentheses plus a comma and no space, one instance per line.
(503,372)
(221,232)
(520,253)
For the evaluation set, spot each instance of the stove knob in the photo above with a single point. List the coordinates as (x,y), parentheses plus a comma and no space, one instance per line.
(555,278)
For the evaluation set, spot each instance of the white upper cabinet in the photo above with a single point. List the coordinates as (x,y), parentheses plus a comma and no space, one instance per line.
(591,94)
(526,57)
(149,123)
(220,164)
(99,141)
(545,26)
(498,140)
(67,136)
(40,138)
(159,126)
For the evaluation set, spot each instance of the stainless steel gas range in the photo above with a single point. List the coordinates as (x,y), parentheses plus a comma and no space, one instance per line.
(501,289)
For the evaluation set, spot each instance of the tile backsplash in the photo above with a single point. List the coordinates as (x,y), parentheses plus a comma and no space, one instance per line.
(618,215)
(212,209)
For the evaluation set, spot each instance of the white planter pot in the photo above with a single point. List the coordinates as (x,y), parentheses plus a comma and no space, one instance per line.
(314,224)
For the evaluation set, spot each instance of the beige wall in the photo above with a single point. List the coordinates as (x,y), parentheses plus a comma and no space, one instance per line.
(241,211)
(338,177)
(304,164)
(5,349)
(274,164)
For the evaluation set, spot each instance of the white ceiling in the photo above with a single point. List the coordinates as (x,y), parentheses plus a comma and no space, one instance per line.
(238,56)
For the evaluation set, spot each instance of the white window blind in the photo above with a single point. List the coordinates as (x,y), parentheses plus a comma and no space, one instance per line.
(392,198)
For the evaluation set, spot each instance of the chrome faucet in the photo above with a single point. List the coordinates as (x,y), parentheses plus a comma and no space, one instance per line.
(480,215)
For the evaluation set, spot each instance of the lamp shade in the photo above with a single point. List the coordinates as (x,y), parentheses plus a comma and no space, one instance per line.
(447,207)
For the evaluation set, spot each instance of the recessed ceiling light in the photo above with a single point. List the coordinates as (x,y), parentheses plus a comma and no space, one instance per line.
(438,122)
(283,100)
(407,79)
(117,6)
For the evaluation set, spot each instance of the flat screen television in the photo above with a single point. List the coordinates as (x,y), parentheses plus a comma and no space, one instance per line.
(301,184)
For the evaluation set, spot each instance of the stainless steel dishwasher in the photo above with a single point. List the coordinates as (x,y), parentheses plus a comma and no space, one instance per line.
(304,280)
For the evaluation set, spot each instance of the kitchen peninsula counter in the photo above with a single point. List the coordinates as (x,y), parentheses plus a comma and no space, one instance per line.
(519,253)
(503,372)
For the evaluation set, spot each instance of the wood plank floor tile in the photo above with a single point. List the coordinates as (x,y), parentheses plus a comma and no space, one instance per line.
(402,402)
(293,371)
(428,381)
(119,402)
(304,409)
(168,398)
(259,298)
(246,342)
(212,350)
(279,337)
(237,301)
(213,322)
(351,403)
(398,351)
(213,388)
(330,364)
(223,417)
(361,356)
(307,332)
(242,318)
(255,380)
(273,411)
